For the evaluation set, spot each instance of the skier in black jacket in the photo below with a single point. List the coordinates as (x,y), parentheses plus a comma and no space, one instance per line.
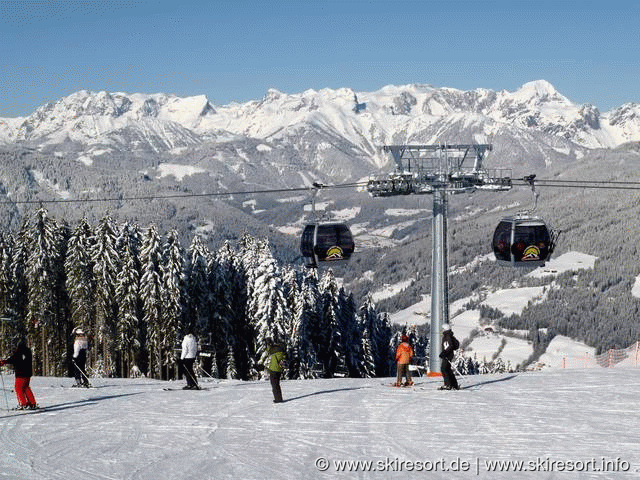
(21,361)
(449,345)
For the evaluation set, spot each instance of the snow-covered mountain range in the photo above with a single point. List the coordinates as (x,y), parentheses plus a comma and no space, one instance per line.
(316,122)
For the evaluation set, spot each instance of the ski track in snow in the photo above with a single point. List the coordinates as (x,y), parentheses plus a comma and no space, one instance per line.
(132,429)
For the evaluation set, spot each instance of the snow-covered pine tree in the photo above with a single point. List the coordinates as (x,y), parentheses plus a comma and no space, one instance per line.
(368,319)
(41,271)
(332,350)
(472,366)
(499,366)
(380,336)
(8,327)
(80,284)
(220,319)
(128,300)
(6,252)
(249,247)
(248,253)
(306,325)
(367,366)
(231,372)
(197,287)
(151,295)
(106,265)
(267,303)
(19,287)
(351,333)
(484,367)
(232,297)
(293,298)
(460,363)
(172,295)
(291,280)
(62,308)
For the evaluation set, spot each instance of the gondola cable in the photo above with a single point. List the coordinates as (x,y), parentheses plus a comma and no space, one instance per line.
(609,185)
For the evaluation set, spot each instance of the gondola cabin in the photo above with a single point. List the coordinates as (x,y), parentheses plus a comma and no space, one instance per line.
(522,241)
(326,242)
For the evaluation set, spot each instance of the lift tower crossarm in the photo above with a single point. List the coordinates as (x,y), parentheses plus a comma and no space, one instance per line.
(439,170)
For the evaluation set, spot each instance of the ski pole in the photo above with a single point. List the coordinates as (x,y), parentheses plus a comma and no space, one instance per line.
(195,382)
(200,369)
(5,392)
(80,370)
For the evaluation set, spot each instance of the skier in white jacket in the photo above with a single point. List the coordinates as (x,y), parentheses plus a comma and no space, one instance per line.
(187,359)
(79,360)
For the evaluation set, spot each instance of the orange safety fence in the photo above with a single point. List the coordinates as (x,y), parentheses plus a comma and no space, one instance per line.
(618,358)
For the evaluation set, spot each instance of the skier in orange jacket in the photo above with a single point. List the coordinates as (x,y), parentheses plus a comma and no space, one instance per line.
(404,354)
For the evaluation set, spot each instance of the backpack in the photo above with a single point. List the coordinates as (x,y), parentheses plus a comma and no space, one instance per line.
(455,343)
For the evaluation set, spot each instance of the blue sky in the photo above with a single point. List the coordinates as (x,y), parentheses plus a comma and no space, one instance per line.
(234,50)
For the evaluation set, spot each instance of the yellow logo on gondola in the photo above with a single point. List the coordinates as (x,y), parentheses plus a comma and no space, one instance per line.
(335,253)
(531,253)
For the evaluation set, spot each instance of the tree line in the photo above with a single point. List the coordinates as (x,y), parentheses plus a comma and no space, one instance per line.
(137,293)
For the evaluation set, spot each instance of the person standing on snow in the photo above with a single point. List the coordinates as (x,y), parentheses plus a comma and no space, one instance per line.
(21,361)
(449,345)
(276,367)
(187,359)
(404,354)
(80,347)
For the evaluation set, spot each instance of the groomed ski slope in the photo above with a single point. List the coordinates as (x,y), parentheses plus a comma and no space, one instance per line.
(133,429)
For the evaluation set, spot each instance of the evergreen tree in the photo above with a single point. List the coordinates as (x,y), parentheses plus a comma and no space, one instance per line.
(173,294)
(128,299)
(8,325)
(231,302)
(332,355)
(197,284)
(267,301)
(367,365)
(351,333)
(151,293)
(248,253)
(220,318)
(106,265)
(306,327)
(380,334)
(293,299)
(80,283)
(19,288)
(230,366)
(41,271)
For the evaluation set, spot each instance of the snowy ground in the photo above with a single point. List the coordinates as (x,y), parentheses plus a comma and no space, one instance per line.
(572,420)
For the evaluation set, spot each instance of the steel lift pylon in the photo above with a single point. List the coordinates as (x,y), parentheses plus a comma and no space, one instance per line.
(439,170)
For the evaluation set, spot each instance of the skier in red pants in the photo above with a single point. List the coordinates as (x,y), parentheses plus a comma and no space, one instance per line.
(21,361)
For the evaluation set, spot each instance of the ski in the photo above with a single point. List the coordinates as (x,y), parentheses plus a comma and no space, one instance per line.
(170,389)
(17,410)
(400,386)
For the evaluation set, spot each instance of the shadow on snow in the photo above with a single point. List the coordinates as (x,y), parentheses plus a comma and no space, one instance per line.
(65,406)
